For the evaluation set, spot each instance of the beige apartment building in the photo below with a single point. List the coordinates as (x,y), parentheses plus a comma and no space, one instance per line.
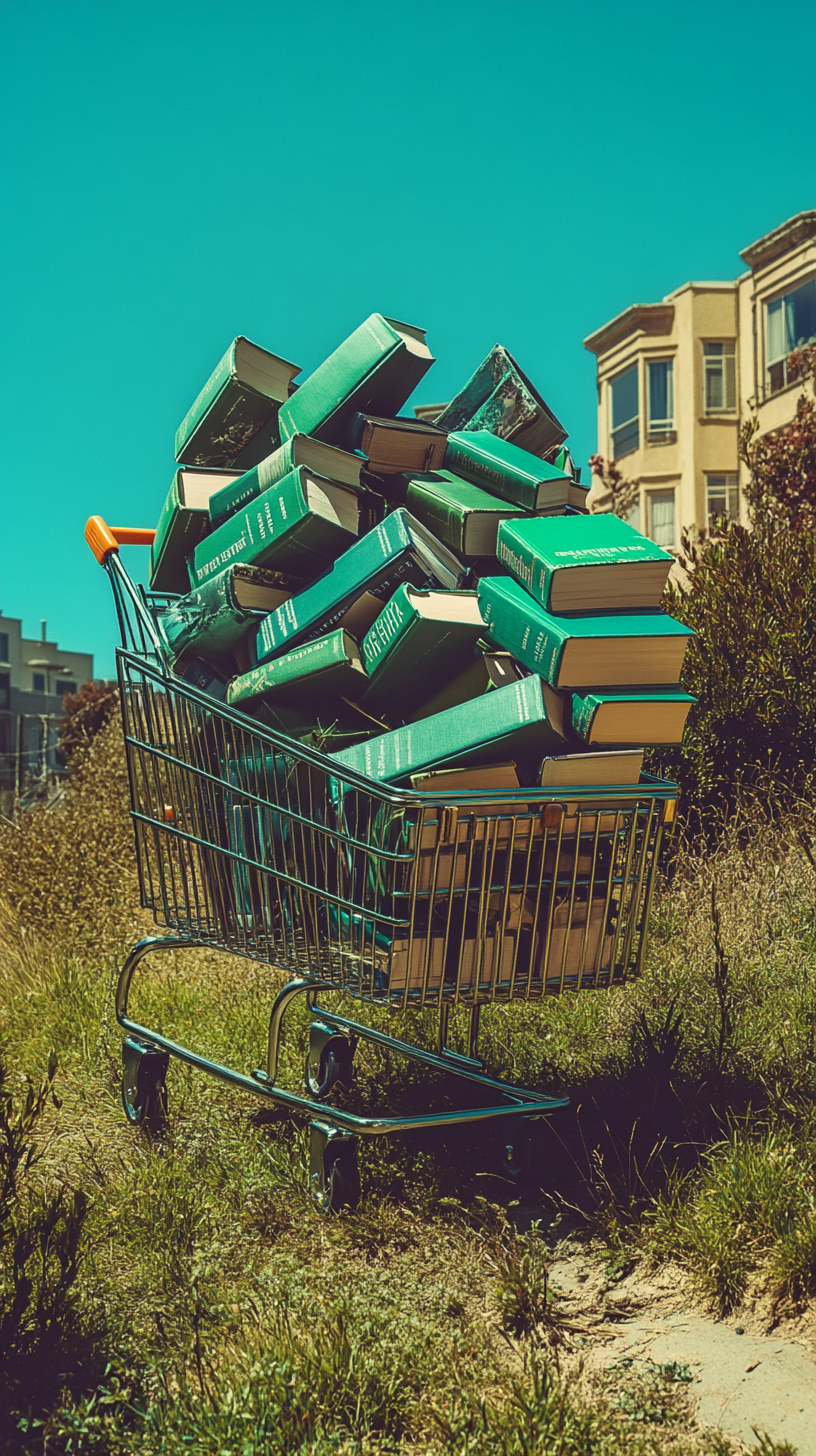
(677,379)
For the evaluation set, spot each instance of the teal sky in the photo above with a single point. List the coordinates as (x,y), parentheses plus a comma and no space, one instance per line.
(177,173)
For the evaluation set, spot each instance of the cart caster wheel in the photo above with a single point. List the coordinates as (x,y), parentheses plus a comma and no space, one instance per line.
(144,1092)
(333,1170)
(330,1060)
(515,1150)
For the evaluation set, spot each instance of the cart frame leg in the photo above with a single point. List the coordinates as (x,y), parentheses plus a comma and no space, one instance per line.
(262,1083)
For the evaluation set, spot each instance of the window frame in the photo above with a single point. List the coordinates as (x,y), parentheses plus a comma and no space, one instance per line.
(634,420)
(66,687)
(730,493)
(4,647)
(659,430)
(5,691)
(728,350)
(39,683)
(651,496)
(780,362)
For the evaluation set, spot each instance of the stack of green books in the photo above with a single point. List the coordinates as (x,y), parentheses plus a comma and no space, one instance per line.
(431,604)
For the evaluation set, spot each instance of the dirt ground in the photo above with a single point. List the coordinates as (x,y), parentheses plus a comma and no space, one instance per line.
(749,1374)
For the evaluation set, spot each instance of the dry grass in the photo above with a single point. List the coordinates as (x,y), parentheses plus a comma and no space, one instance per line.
(205,1308)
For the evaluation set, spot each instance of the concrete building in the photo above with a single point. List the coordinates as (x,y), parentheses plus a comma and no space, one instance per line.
(677,379)
(35,676)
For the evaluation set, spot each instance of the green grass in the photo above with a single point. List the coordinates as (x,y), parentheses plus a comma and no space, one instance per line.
(183,1296)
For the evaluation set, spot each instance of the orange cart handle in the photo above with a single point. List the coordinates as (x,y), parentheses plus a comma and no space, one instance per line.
(103,539)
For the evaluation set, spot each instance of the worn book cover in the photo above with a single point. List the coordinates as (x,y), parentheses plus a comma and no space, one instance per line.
(393,446)
(299,526)
(184,521)
(585,563)
(214,617)
(512,723)
(360,582)
(500,398)
(583,650)
(374,370)
(233,422)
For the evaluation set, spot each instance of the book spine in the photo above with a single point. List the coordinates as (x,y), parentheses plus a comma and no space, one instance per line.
(302,661)
(521,560)
(389,625)
(249,486)
(443,517)
(534,640)
(465,459)
(363,567)
(583,715)
(216,382)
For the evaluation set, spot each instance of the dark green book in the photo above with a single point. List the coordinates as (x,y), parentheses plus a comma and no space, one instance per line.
(462,515)
(374,370)
(234,419)
(512,723)
(592,563)
(184,521)
(654,719)
(483,672)
(204,676)
(329,668)
(582,650)
(299,525)
(214,617)
(359,584)
(512,473)
(501,399)
(325,460)
(416,645)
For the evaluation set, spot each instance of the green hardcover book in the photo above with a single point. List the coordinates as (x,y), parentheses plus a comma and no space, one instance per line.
(184,521)
(330,667)
(501,399)
(462,515)
(512,473)
(214,617)
(323,459)
(299,525)
(234,419)
(415,646)
(583,651)
(375,369)
(574,770)
(483,673)
(655,719)
(359,584)
(512,723)
(585,563)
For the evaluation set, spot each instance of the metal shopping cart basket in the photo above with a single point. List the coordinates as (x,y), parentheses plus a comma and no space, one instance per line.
(250,843)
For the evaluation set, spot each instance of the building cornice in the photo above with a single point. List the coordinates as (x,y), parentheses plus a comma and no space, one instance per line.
(644,318)
(782,240)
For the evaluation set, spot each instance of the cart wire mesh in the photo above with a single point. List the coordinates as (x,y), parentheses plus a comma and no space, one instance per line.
(251,842)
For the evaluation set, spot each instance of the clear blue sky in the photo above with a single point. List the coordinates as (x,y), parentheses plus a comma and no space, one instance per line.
(176,172)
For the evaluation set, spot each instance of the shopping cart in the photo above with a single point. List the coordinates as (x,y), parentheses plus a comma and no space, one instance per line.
(251,843)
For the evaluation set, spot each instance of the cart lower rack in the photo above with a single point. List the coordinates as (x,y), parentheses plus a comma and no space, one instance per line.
(253,844)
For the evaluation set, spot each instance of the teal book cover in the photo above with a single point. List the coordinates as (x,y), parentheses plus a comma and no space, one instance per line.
(330,667)
(374,370)
(234,419)
(574,563)
(583,650)
(419,642)
(510,724)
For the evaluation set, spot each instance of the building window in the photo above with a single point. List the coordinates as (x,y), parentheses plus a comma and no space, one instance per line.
(5,690)
(661,517)
(38,682)
(625,413)
(791,322)
(722,498)
(719,378)
(660,376)
(64,687)
(4,650)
